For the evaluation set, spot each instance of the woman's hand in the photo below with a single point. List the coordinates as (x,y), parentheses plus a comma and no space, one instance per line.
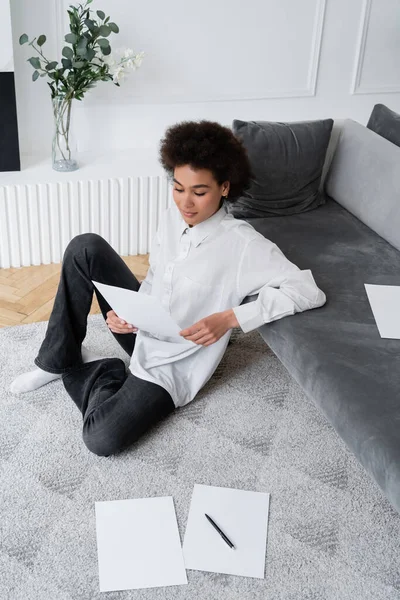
(209,330)
(117,325)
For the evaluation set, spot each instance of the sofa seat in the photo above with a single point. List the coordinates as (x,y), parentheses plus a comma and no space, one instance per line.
(335,352)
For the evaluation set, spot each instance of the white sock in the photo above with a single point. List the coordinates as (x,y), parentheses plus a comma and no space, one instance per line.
(27,382)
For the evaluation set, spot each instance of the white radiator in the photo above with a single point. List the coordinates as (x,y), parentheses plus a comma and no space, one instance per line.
(38,220)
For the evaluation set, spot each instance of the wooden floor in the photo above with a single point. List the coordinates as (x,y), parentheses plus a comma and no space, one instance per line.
(27,293)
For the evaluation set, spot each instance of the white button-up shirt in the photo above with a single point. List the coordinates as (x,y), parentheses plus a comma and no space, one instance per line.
(209,268)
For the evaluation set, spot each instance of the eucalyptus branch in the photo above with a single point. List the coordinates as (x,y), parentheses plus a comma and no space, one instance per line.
(41,53)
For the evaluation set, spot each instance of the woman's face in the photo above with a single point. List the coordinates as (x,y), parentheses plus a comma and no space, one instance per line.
(197,193)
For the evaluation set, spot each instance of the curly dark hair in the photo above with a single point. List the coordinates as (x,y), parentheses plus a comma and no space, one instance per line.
(207,145)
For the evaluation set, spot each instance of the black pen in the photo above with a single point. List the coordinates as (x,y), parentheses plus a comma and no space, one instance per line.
(221,533)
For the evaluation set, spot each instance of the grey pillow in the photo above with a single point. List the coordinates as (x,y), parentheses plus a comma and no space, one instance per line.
(287,161)
(386,123)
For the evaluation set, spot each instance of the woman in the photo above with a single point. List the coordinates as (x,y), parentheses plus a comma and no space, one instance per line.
(203,263)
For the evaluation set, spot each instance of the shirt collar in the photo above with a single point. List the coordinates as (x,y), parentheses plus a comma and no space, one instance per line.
(200,231)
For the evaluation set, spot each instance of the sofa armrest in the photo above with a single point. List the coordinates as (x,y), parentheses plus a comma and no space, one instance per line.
(333,142)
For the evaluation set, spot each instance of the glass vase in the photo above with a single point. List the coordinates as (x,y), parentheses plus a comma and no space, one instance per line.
(64,145)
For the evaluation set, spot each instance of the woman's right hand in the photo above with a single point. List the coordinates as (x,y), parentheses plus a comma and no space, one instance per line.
(117,325)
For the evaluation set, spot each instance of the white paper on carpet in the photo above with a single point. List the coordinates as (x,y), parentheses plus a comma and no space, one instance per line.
(138,544)
(243,517)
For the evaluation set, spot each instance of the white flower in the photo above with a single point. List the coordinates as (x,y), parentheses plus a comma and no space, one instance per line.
(138,59)
(133,62)
(118,74)
(119,62)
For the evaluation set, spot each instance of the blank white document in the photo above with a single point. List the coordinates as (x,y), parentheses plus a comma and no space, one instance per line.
(141,310)
(138,544)
(385,303)
(242,516)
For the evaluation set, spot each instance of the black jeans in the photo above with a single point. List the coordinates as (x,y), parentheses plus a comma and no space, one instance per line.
(117,407)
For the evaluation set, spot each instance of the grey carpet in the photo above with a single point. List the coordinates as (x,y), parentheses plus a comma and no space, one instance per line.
(331,533)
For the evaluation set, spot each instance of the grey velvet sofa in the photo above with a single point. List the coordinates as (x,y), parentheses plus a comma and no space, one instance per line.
(335,352)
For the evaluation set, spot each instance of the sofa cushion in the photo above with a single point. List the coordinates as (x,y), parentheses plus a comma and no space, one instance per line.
(287,161)
(364,177)
(335,352)
(386,123)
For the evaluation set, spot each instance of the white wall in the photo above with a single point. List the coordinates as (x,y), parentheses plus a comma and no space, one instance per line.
(6,56)
(254,60)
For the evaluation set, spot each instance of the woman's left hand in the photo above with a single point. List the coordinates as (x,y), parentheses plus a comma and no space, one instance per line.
(209,330)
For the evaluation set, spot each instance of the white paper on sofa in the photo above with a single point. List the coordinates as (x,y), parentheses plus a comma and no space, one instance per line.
(385,303)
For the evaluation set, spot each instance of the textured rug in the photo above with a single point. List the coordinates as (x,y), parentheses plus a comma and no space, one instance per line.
(331,533)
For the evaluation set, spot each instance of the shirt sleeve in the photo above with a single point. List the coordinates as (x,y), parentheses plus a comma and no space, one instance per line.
(283,289)
(146,285)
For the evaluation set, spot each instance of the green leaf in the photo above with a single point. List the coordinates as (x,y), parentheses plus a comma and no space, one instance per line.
(90,54)
(105,30)
(103,43)
(71,38)
(89,1)
(106,21)
(101,15)
(35,75)
(43,74)
(41,40)
(81,46)
(90,24)
(35,62)
(52,65)
(67,52)
(114,27)
(106,50)
(23,39)
(78,64)
(66,63)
